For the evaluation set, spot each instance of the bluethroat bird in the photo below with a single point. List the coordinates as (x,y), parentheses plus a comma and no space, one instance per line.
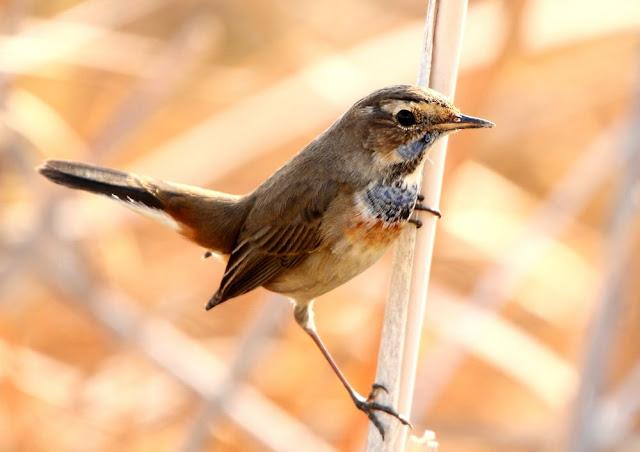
(321,219)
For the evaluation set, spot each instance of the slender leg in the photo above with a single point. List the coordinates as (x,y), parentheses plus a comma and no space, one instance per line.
(303,313)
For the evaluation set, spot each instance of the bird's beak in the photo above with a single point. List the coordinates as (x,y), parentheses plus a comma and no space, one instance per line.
(469,122)
(461,121)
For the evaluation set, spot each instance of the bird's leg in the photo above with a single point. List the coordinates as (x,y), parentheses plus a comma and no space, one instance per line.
(303,313)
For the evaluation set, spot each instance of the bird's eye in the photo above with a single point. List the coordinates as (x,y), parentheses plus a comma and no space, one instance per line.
(405,118)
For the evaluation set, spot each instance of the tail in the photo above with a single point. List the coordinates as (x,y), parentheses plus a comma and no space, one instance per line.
(209,218)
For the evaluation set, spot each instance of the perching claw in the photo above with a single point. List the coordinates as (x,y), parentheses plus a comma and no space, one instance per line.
(431,210)
(370,406)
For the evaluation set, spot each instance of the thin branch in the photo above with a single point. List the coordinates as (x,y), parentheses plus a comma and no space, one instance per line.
(404,312)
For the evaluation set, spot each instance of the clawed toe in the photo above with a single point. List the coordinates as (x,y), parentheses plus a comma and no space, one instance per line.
(370,406)
(374,391)
(431,210)
(421,207)
(416,222)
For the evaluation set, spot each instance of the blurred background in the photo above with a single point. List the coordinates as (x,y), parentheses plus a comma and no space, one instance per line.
(532,336)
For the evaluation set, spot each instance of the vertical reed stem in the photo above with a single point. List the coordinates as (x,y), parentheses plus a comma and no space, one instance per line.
(404,311)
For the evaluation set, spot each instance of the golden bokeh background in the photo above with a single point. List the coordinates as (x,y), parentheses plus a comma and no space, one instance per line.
(532,332)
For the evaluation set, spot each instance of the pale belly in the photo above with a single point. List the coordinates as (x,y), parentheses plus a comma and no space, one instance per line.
(327,269)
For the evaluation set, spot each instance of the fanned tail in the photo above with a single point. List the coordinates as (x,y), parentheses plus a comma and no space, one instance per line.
(209,218)
(117,184)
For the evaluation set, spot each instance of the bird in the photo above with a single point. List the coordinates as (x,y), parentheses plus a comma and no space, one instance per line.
(324,217)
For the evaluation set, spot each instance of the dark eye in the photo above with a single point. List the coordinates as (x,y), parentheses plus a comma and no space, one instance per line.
(405,118)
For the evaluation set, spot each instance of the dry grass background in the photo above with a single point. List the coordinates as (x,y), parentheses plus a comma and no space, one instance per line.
(532,333)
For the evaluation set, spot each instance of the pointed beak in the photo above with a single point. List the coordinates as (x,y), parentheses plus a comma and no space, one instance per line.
(469,122)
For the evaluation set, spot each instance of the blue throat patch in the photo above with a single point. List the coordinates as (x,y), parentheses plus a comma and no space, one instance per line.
(412,154)
(392,203)
(416,148)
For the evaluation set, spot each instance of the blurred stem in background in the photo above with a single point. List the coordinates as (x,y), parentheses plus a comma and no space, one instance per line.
(496,287)
(253,344)
(622,232)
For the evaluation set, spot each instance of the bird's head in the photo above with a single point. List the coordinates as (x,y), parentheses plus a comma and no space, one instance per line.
(396,125)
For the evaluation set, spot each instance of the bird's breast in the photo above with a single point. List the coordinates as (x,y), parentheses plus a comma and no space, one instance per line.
(386,204)
(380,212)
(373,220)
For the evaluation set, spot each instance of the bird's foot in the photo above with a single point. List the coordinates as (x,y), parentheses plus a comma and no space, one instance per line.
(420,206)
(416,222)
(369,406)
(431,210)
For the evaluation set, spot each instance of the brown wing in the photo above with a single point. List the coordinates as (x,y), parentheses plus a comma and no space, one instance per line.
(279,234)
